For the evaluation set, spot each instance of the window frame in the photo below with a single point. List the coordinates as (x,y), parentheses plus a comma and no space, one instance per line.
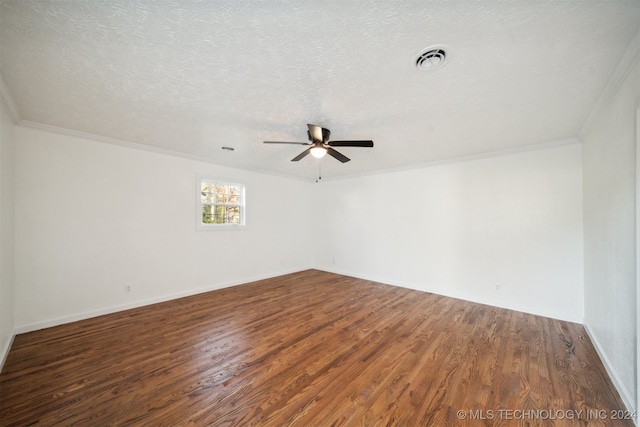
(199,205)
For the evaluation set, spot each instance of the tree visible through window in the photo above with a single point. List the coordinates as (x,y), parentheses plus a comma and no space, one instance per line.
(222,203)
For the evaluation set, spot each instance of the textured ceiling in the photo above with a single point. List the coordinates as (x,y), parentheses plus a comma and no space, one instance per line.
(192,76)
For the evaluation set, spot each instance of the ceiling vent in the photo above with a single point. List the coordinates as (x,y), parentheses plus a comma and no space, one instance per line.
(431,58)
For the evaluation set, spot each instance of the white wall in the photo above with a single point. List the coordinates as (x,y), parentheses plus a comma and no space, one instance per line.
(609,234)
(7,271)
(92,217)
(505,231)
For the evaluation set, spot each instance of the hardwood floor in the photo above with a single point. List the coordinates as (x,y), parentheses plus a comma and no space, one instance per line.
(309,349)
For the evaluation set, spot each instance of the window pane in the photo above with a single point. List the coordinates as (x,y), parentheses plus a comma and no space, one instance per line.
(220,193)
(207,197)
(233,214)
(208,214)
(207,192)
(212,214)
(222,198)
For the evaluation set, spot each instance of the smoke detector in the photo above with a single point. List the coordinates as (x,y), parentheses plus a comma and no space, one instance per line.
(432,58)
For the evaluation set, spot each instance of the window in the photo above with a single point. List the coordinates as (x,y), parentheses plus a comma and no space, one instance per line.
(220,204)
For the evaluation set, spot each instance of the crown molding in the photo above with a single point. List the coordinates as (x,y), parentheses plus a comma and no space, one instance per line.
(619,75)
(460,159)
(7,101)
(163,151)
(151,149)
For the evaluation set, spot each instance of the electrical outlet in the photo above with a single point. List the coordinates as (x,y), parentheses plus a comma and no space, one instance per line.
(127,289)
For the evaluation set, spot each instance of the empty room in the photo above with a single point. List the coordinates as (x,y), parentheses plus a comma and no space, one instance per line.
(319,213)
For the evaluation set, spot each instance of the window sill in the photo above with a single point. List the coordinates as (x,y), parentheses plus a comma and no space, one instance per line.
(220,227)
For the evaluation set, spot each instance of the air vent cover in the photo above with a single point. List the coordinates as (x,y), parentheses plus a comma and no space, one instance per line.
(431,58)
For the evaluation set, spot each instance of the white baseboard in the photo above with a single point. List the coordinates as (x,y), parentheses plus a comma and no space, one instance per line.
(21,329)
(5,351)
(615,378)
(456,295)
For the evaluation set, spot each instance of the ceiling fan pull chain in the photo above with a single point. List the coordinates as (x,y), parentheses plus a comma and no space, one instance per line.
(319,171)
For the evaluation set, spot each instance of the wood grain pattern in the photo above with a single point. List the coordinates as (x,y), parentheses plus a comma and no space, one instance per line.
(309,349)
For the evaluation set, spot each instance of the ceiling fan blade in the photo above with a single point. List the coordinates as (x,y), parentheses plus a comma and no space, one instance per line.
(286,142)
(333,153)
(315,132)
(351,143)
(319,139)
(325,135)
(301,155)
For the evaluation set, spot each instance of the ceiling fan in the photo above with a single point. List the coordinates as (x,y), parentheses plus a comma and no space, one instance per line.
(320,144)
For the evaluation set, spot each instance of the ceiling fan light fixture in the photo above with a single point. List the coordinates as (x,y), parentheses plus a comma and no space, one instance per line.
(318,152)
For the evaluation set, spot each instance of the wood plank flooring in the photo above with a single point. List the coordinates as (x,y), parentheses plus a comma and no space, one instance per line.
(309,349)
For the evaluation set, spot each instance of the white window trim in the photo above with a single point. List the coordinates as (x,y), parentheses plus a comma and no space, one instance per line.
(220,227)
